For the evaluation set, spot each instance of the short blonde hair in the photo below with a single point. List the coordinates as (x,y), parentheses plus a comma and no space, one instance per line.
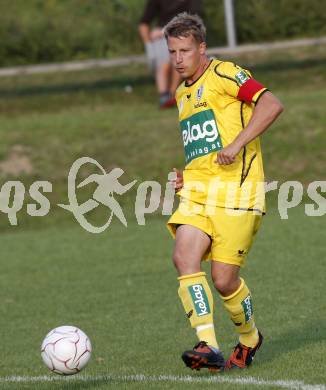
(184,25)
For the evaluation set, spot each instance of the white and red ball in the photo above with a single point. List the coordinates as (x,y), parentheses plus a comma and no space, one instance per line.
(66,350)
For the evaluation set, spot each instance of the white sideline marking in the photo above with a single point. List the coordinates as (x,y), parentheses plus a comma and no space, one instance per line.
(285,384)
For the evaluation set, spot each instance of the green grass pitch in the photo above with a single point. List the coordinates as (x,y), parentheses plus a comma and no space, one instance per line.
(120,286)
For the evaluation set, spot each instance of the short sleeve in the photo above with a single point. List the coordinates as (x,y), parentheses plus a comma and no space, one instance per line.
(150,12)
(238,82)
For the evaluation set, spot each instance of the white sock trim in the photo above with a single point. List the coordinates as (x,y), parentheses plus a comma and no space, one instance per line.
(202,327)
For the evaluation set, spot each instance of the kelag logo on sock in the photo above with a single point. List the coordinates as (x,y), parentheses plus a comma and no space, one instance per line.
(247,308)
(199,299)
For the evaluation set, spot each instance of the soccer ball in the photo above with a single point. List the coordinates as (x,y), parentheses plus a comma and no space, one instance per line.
(66,350)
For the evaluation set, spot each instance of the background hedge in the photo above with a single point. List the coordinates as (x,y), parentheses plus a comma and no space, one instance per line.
(37,31)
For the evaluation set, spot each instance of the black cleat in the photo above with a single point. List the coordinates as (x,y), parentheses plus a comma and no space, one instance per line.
(204,356)
(243,356)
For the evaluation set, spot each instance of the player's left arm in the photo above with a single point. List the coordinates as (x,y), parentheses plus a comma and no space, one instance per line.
(267,109)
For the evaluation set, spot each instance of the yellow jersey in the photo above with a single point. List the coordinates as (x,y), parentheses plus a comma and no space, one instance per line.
(213,110)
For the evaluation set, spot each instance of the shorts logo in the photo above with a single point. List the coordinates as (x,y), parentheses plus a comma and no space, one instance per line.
(200,135)
(241,77)
(247,308)
(199,299)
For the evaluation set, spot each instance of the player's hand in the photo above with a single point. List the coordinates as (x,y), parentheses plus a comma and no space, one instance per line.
(178,181)
(227,155)
(156,33)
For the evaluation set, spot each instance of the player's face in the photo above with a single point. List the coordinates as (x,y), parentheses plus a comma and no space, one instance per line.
(186,55)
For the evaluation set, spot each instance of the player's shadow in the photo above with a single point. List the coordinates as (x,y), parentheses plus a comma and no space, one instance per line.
(292,340)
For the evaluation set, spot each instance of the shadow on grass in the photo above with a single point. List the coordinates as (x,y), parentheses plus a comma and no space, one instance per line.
(71,87)
(292,340)
(119,83)
(289,65)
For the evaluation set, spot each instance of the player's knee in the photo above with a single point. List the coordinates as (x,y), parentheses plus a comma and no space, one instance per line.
(178,259)
(225,285)
(184,263)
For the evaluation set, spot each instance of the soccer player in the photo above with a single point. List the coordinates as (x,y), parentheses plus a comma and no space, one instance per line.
(161,11)
(222,112)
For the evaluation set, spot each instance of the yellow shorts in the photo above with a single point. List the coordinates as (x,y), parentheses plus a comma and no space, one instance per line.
(231,231)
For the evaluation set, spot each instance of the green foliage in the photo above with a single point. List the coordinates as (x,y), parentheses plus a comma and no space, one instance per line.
(214,21)
(263,20)
(37,31)
(58,30)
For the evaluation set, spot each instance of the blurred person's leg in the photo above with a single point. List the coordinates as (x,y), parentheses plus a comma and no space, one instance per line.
(162,76)
(175,80)
(163,82)
(163,69)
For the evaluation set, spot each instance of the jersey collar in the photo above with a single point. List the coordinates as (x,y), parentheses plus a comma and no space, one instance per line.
(189,85)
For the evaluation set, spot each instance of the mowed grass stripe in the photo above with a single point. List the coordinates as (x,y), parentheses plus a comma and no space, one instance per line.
(285,384)
(121,289)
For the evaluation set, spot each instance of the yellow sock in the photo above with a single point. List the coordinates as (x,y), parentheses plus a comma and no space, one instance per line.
(197,300)
(239,306)
(207,333)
